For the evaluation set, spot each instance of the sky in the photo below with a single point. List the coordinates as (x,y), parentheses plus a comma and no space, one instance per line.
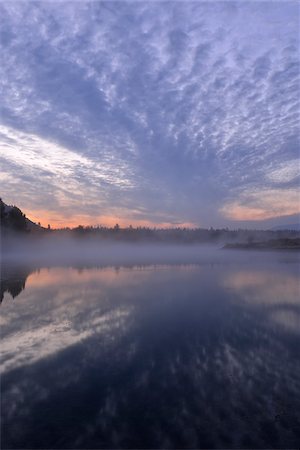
(151,113)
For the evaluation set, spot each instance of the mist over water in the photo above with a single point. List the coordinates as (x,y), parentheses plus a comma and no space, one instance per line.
(61,250)
(150,347)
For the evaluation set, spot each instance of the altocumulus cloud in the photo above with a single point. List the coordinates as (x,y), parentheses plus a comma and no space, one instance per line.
(158,112)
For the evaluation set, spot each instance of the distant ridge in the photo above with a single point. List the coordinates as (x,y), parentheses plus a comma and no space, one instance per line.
(290,227)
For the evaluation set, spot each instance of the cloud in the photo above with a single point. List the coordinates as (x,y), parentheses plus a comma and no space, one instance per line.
(285,172)
(168,109)
(56,161)
(264,204)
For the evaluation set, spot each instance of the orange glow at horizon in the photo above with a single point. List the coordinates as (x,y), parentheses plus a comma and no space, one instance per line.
(57,221)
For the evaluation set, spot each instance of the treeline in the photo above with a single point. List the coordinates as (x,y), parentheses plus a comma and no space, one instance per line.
(175,235)
(13,221)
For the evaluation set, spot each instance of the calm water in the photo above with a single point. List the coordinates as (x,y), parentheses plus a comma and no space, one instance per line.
(158,356)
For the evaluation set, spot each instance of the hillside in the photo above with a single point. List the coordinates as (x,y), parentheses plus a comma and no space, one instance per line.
(12,219)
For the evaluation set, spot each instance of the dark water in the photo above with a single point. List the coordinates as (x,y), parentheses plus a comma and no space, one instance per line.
(171,356)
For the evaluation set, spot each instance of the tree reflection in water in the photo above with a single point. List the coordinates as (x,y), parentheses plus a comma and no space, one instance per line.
(13,280)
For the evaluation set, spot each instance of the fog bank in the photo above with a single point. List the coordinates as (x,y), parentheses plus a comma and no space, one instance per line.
(58,250)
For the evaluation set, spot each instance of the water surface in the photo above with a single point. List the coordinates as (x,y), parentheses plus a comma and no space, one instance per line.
(202,355)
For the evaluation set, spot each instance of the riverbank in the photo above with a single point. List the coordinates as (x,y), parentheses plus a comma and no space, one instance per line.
(273,244)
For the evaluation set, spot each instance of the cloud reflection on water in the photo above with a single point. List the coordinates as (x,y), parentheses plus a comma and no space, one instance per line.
(277,294)
(160,357)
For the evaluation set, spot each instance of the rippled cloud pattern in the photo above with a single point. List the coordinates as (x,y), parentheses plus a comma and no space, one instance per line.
(151,112)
